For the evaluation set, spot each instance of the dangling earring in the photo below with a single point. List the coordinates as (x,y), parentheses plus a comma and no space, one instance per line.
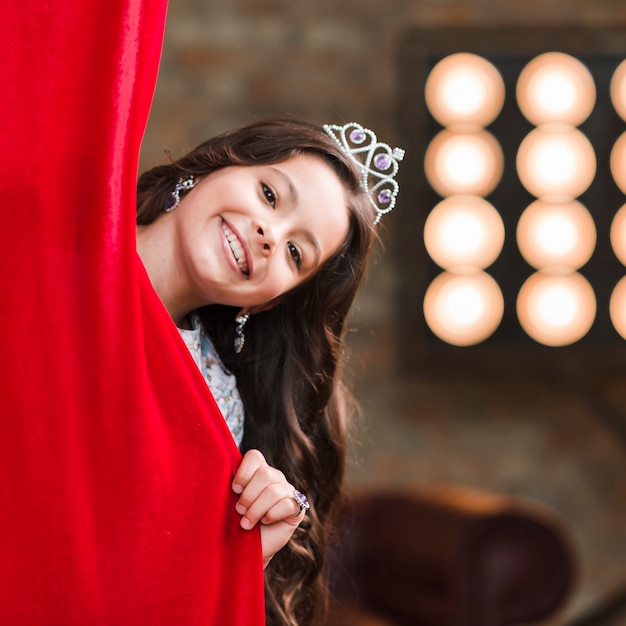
(240,338)
(173,199)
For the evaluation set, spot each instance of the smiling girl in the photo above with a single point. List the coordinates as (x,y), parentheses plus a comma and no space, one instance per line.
(270,223)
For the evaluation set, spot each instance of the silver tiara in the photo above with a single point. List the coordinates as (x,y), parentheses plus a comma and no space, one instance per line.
(377,161)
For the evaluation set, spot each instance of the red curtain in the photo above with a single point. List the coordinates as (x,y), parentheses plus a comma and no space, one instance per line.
(115,464)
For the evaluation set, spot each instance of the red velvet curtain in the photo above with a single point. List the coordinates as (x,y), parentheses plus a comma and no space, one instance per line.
(115,464)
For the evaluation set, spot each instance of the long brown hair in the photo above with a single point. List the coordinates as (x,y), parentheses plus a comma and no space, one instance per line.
(289,373)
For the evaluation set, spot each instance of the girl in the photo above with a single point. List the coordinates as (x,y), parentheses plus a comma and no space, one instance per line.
(272,223)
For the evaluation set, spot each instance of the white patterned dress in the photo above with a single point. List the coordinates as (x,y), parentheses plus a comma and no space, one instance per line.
(221,382)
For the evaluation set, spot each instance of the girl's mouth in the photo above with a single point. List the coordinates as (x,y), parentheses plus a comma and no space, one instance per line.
(237,248)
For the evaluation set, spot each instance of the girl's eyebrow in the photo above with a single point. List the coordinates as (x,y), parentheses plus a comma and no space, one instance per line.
(291,188)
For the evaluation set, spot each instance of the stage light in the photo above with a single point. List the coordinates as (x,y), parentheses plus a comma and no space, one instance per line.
(463,310)
(618,162)
(618,90)
(463,163)
(556,162)
(464,231)
(556,87)
(556,235)
(464,88)
(542,160)
(617,307)
(556,310)
(618,234)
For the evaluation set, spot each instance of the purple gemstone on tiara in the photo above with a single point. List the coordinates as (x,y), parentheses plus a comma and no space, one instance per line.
(384,197)
(382,161)
(357,136)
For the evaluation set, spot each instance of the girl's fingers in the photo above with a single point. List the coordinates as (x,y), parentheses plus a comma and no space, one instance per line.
(265,478)
(275,503)
(250,463)
(265,495)
(285,510)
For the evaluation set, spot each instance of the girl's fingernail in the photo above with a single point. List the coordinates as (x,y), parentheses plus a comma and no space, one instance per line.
(237,488)
(245,523)
(241,509)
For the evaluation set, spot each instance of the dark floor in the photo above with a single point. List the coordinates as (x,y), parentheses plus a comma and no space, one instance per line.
(548,433)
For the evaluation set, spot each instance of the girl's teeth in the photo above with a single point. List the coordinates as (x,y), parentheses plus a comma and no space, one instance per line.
(237,250)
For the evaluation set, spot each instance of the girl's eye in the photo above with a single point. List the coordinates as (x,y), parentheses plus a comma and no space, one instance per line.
(295,254)
(269,194)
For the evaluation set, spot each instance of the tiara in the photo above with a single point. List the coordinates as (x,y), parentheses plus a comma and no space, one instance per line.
(377,161)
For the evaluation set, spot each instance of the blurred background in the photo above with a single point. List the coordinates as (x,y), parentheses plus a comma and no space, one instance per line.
(514,410)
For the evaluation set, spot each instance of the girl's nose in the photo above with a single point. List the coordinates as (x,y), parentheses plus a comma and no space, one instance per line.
(266,240)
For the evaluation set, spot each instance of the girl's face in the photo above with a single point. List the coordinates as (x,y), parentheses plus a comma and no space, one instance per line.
(247,234)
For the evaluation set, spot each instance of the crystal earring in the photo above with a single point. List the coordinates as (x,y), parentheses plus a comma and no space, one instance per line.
(173,198)
(240,338)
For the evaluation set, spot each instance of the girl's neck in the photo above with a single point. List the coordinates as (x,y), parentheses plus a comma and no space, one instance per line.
(154,246)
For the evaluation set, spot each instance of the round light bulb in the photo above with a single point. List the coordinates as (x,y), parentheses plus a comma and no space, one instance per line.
(464,163)
(618,90)
(618,234)
(556,162)
(618,162)
(463,310)
(617,307)
(464,88)
(556,87)
(464,231)
(559,235)
(556,310)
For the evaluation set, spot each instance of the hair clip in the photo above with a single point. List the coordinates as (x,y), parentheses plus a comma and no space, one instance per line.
(377,161)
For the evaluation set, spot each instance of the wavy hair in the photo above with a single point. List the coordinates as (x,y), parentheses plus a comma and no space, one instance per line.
(289,374)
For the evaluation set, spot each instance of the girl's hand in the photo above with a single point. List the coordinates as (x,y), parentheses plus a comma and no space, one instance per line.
(265,496)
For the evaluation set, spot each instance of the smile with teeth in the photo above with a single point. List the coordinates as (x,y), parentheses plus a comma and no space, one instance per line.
(237,249)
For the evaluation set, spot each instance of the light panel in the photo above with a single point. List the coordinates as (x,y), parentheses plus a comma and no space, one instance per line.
(481,201)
